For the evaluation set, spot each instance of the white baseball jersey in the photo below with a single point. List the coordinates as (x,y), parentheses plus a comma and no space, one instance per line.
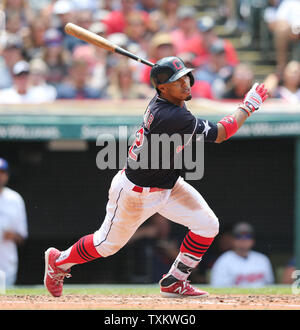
(231,270)
(12,218)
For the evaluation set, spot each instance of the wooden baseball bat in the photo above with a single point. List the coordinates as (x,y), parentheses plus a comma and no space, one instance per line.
(93,38)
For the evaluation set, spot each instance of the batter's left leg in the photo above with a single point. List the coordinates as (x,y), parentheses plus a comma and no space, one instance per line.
(187,207)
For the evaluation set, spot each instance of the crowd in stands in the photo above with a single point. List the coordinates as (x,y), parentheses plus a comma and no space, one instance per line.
(39,62)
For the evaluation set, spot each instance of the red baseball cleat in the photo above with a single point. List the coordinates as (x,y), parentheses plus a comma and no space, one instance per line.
(181,289)
(54,277)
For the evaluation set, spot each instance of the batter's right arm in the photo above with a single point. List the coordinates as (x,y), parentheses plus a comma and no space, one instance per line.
(229,125)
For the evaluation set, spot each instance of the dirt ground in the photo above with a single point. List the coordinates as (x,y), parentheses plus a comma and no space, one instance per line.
(149,302)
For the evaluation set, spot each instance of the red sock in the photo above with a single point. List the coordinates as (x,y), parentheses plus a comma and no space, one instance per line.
(195,244)
(81,252)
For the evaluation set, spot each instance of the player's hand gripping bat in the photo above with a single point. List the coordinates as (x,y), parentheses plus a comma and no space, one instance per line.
(95,39)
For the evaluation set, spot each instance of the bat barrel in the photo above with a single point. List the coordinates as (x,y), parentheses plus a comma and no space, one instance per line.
(93,38)
(88,36)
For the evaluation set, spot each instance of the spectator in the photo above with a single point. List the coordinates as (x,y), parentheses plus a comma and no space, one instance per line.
(63,11)
(113,59)
(240,82)
(148,5)
(116,21)
(206,26)
(38,5)
(89,52)
(39,89)
(14,23)
(123,86)
(18,92)
(18,9)
(21,91)
(242,266)
(165,18)
(56,57)
(270,13)
(34,38)
(76,86)
(138,36)
(289,89)
(216,72)
(187,38)
(10,55)
(222,244)
(95,57)
(46,13)
(230,11)
(160,46)
(137,31)
(13,225)
(267,27)
(98,28)
(82,5)
(286,29)
(109,5)
(84,18)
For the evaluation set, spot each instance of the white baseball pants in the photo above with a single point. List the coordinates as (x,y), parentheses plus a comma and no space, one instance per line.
(127,210)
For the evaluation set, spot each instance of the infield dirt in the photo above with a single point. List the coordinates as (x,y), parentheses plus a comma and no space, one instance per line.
(149,302)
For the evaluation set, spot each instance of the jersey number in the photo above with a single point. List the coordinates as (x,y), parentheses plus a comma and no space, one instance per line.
(137,143)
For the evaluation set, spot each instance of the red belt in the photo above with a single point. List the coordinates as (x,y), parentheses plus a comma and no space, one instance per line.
(140,189)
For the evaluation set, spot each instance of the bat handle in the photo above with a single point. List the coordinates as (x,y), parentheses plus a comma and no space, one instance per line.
(134,57)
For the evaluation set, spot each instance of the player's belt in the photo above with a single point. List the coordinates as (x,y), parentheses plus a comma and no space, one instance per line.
(140,189)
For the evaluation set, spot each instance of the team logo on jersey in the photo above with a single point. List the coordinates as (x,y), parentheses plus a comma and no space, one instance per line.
(148,118)
(206,127)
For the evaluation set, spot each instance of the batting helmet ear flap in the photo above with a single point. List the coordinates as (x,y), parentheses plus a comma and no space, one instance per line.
(192,79)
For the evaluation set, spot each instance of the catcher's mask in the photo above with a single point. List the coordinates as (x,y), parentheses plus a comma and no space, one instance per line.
(169,69)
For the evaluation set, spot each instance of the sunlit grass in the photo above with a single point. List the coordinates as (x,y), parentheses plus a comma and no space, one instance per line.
(114,289)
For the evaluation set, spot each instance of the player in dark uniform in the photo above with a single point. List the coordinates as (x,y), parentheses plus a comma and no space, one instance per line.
(164,117)
(146,186)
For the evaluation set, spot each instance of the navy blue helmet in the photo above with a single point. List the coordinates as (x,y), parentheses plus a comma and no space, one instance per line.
(169,69)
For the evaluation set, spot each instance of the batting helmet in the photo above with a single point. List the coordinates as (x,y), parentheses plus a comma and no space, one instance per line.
(169,69)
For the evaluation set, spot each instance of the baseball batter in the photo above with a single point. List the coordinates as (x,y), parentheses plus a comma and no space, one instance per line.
(137,193)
